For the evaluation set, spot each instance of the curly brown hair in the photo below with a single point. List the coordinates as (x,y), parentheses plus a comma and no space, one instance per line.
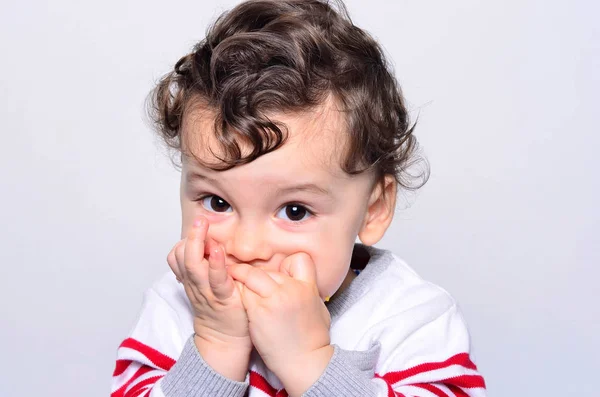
(268,56)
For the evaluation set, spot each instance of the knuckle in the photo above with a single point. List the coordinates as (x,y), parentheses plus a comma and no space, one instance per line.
(180,257)
(188,267)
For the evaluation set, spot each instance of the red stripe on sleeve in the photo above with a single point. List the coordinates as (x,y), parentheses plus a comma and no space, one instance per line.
(159,359)
(140,392)
(461,359)
(391,392)
(258,381)
(458,392)
(120,392)
(121,366)
(432,389)
(465,381)
(139,388)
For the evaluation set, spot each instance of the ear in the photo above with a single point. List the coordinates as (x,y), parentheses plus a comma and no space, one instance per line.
(380,211)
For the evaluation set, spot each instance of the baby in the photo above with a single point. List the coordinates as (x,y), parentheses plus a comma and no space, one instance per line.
(293,139)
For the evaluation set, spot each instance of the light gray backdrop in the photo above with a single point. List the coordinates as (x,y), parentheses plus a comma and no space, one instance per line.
(507,94)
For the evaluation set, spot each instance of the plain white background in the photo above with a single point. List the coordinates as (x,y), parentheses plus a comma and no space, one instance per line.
(507,95)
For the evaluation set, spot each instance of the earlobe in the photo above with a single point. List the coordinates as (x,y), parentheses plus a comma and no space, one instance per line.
(380,211)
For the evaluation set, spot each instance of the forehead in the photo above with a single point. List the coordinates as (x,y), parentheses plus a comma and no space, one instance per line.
(315,142)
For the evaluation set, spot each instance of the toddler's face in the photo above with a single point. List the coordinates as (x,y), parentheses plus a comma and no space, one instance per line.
(295,199)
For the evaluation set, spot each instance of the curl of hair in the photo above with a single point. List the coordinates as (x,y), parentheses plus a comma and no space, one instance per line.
(268,56)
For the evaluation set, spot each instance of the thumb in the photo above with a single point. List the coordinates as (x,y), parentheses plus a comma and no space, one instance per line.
(300,267)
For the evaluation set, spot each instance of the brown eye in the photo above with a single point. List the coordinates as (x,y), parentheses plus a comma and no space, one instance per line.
(295,212)
(215,204)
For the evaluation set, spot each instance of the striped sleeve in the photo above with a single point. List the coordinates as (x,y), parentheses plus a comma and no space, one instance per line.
(432,361)
(138,368)
(456,376)
(149,352)
(158,360)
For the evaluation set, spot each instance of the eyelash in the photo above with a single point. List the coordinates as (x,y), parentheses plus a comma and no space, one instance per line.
(296,203)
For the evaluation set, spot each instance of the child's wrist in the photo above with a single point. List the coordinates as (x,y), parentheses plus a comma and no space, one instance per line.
(213,336)
(229,360)
(299,373)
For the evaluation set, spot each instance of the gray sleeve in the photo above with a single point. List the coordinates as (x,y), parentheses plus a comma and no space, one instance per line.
(349,373)
(191,376)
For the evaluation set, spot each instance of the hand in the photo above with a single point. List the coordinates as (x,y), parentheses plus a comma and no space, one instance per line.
(220,320)
(288,320)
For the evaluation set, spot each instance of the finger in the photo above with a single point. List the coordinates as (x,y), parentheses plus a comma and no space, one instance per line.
(178,250)
(172,261)
(238,284)
(193,256)
(250,299)
(179,257)
(219,280)
(254,279)
(210,245)
(300,267)
(279,278)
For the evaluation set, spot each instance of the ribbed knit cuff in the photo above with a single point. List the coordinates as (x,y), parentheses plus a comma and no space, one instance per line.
(349,373)
(191,376)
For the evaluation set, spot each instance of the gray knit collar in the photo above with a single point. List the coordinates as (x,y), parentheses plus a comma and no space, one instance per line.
(379,260)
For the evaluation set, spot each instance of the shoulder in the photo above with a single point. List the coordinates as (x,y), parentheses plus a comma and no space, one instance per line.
(170,292)
(403,290)
(390,300)
(165,302)
(165,320)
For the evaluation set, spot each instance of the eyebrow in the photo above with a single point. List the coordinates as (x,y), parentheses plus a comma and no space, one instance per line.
(303,187)
(191,176)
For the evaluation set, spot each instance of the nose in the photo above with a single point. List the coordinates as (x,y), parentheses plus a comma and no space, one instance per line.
(249,243)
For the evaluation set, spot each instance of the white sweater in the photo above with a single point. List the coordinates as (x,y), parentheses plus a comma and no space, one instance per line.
(394,334)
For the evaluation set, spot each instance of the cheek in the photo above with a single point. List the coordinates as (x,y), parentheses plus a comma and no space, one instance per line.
(330,246)
(191,210)
(332,254)
(332,268)
(187,216)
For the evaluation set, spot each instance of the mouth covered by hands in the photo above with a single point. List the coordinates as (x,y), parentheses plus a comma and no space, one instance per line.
(288,321)
(239,306)
(220,321)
